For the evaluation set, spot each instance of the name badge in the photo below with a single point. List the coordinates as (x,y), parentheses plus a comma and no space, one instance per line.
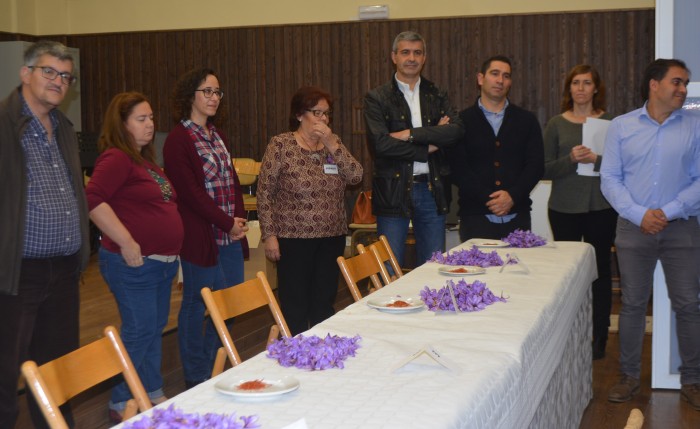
(330,168)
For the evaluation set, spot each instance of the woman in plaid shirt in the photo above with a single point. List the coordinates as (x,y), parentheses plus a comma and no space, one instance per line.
(211,205)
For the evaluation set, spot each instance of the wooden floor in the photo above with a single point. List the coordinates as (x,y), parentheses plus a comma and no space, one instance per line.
(662,409)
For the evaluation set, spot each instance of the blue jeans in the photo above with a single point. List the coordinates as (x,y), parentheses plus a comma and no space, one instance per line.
(428,226)
(198,345)
(143,297)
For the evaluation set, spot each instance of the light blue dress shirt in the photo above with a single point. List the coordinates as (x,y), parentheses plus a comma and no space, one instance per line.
(647,165)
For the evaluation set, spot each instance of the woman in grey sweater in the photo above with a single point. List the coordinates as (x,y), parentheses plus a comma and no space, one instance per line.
(577,208)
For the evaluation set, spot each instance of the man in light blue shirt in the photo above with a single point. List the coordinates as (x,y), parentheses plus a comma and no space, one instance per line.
(651,176)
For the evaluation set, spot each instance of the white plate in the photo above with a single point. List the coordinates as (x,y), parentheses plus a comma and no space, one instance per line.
(382,304)
(274,387)
(467,270)
(485,242)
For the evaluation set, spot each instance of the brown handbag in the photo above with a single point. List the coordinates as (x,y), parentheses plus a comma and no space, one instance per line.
(362,212)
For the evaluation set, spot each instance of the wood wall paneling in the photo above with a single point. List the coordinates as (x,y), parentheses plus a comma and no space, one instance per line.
(260,67)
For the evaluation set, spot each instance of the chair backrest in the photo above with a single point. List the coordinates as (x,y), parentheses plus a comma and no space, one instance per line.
(236,300)
(247,170)
(382,251)
(357,268)
(55,382)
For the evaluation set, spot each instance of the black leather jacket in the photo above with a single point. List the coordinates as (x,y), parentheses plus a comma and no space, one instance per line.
(387,111)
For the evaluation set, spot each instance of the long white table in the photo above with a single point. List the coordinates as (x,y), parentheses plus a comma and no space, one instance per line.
(523,363)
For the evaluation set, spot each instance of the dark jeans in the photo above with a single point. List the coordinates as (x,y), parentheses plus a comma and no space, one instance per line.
(307,279)
(478,226)
(39,323)
(598,229)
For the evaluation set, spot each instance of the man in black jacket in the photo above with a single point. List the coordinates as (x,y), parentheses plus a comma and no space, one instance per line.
(409,122)
(499,160)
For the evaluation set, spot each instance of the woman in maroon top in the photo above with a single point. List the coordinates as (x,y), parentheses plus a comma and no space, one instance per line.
(211,204)
(301,206)
(133,204)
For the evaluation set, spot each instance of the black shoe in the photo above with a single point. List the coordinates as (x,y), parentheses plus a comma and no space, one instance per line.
(599,348)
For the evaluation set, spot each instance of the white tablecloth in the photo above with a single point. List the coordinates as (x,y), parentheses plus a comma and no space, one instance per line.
(524,363)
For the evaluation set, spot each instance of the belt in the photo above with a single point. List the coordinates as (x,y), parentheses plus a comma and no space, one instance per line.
(163,258)
(421,178)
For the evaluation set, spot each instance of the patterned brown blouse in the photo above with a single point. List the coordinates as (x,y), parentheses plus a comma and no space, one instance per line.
(296,198)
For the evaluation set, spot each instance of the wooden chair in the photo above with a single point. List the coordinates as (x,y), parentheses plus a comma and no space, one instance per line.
(55,382)
(383,253)
(248,170)
(233,301)
(357,268)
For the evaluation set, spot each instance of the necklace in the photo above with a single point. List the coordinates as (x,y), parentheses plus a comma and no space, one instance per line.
(313,154)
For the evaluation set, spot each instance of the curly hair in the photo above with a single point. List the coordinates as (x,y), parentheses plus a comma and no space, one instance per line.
(183,96)
(599,101)
(114,133)
(304,99)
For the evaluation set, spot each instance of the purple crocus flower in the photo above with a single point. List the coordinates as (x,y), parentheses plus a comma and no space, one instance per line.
(173,418)
(313,353)
(472,257)
(474,296)
(520,238)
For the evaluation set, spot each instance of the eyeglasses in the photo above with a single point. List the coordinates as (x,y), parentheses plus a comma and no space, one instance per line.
(320,113)
(208,92)
(51,73)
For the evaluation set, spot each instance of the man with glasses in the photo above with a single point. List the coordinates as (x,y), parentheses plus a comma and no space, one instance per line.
(409,123)
(43,223)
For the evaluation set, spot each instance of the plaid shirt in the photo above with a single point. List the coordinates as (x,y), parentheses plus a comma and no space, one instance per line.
(52,225)
(218,171)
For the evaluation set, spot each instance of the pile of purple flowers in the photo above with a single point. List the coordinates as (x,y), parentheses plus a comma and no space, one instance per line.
(175,418)
(520,238)
(473,257)
(470,297)
(312,352)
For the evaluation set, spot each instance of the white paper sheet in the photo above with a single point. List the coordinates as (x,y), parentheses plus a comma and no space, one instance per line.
(594,131)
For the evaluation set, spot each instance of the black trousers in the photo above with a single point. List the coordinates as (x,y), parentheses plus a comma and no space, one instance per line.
(598,229)
(478,226)
(39,323)
(307,279)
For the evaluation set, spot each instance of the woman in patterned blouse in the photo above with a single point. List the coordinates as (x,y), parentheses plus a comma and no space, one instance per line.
(301,207)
